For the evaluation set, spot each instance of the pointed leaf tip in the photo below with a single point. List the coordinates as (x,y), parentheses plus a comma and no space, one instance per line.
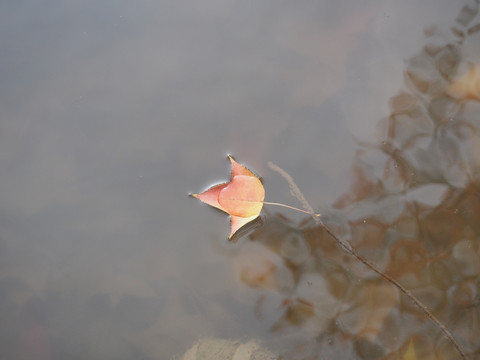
(237,222)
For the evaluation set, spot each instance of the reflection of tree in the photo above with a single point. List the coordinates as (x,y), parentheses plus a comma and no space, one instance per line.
(413,210)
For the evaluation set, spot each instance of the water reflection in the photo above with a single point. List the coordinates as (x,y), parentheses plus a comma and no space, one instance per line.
(112,111)
(412,209)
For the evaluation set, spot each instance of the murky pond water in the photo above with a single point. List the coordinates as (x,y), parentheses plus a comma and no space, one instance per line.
(111,112)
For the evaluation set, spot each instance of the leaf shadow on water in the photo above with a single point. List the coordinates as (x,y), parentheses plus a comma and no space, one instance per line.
(412,210)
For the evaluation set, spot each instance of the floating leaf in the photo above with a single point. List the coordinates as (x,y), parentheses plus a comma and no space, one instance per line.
(241,198)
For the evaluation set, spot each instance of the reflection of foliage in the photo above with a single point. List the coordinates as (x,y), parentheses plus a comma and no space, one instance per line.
(417,194)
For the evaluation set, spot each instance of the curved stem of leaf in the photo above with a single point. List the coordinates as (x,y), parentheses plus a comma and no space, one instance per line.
(290,207)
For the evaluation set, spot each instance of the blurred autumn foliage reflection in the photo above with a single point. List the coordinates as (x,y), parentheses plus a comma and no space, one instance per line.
(413,210)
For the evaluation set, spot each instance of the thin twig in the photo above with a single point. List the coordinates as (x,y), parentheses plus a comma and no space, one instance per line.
(350,250)
(412,297)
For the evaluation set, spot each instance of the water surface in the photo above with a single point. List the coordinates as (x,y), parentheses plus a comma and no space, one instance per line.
(112,112)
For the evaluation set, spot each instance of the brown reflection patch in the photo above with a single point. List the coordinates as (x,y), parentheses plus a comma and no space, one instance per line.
(363,186)
(259,277)
(467,294)
(296,312)
(410,257)
(368,233)
(372,304)
(467,86)
(442,227)
(413,211)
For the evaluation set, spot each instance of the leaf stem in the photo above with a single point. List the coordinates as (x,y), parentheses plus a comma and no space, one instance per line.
(289,207)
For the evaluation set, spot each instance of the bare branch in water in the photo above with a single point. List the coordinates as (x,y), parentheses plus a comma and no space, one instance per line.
(295,191)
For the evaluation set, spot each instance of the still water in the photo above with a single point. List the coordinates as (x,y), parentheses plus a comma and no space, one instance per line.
(111,112)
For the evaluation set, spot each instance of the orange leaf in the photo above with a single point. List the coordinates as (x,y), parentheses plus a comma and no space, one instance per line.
(241,198)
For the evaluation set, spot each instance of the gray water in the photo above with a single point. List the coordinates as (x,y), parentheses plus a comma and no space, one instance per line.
(112,112)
